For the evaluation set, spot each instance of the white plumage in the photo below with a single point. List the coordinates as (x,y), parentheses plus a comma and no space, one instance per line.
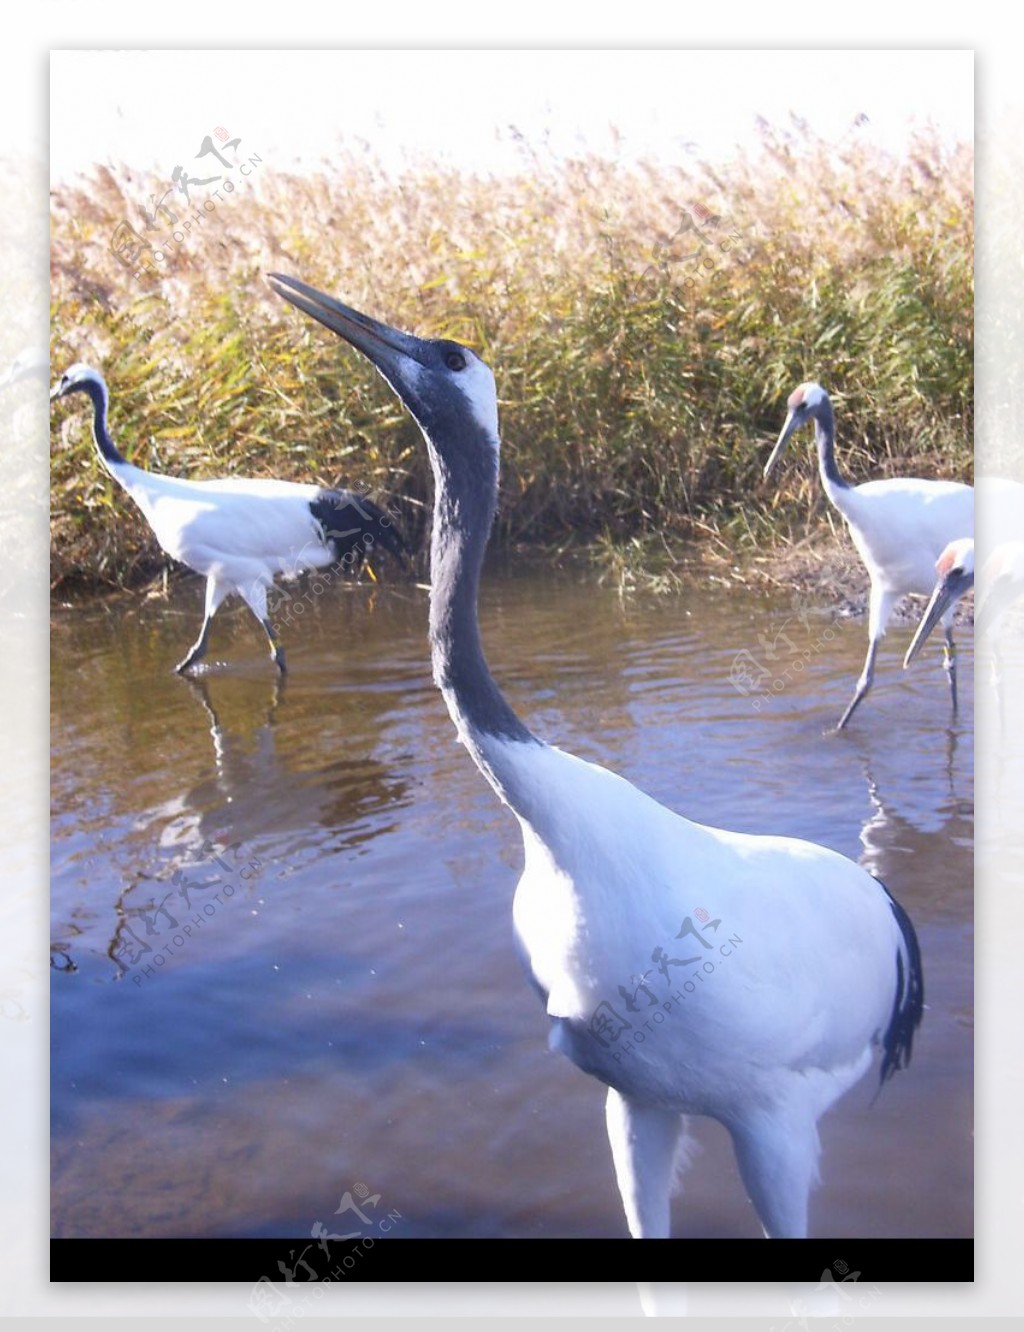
(775,966)
(900,526)
(238,533)
(774,1016)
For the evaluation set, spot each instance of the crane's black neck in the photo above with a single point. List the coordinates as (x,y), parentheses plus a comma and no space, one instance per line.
(466,480)
(825,438)
(98,395)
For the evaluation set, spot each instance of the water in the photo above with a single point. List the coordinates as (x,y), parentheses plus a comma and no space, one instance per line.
(346,1008)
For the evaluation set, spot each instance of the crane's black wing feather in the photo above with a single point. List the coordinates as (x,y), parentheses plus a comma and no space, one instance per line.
(355,527)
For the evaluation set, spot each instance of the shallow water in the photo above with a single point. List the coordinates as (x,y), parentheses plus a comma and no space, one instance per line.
(346,1008)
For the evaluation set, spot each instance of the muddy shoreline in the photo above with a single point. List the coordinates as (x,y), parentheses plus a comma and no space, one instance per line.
(819,567)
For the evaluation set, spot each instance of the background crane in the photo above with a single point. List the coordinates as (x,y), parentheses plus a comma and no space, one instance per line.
(239,533)
(900,526)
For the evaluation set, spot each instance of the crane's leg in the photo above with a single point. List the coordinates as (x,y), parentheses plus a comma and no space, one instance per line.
(880,608)
(949,664)
(256,599)
(867,677)
(216,591)
(643,1140)
(777,1154)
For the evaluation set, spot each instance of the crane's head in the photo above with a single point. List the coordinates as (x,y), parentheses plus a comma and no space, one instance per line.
(804,403)
(955,570)
(447,388)
(78,379)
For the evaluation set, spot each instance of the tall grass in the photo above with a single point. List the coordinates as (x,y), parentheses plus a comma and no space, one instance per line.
(646,325)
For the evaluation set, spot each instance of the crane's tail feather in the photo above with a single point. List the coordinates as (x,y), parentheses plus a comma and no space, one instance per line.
(908,1005)
(355,527)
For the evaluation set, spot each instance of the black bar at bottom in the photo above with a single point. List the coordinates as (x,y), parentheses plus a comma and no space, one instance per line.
(265,1260)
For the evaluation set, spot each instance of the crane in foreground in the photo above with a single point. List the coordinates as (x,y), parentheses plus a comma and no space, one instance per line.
(240,534)
(691,970)
(900,526)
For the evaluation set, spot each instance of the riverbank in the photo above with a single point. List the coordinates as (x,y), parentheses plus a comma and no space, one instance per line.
(645,325)
(821,569)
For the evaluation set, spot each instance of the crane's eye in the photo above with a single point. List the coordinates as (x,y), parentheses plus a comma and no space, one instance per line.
(455,360)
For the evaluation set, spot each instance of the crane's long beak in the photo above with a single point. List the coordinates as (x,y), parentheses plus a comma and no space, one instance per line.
(947,590)
(57,391)
(787,430)
(384,346)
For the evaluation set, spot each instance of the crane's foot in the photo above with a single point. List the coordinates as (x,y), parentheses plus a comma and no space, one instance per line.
(276,650)
(852,708)
(197,651)
(867,677)
(185,666)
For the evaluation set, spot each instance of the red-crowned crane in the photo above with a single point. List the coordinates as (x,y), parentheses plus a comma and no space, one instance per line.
(239,533)
(900,527)
(1000,585)
(792,963)
(955,577)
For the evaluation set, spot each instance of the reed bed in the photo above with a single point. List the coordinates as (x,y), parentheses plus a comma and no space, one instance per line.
(646,324)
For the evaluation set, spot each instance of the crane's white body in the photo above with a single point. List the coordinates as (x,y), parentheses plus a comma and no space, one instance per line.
(239,533)
(899,525)
(243,532)
(775,1022)
(814,963)
(900,528)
